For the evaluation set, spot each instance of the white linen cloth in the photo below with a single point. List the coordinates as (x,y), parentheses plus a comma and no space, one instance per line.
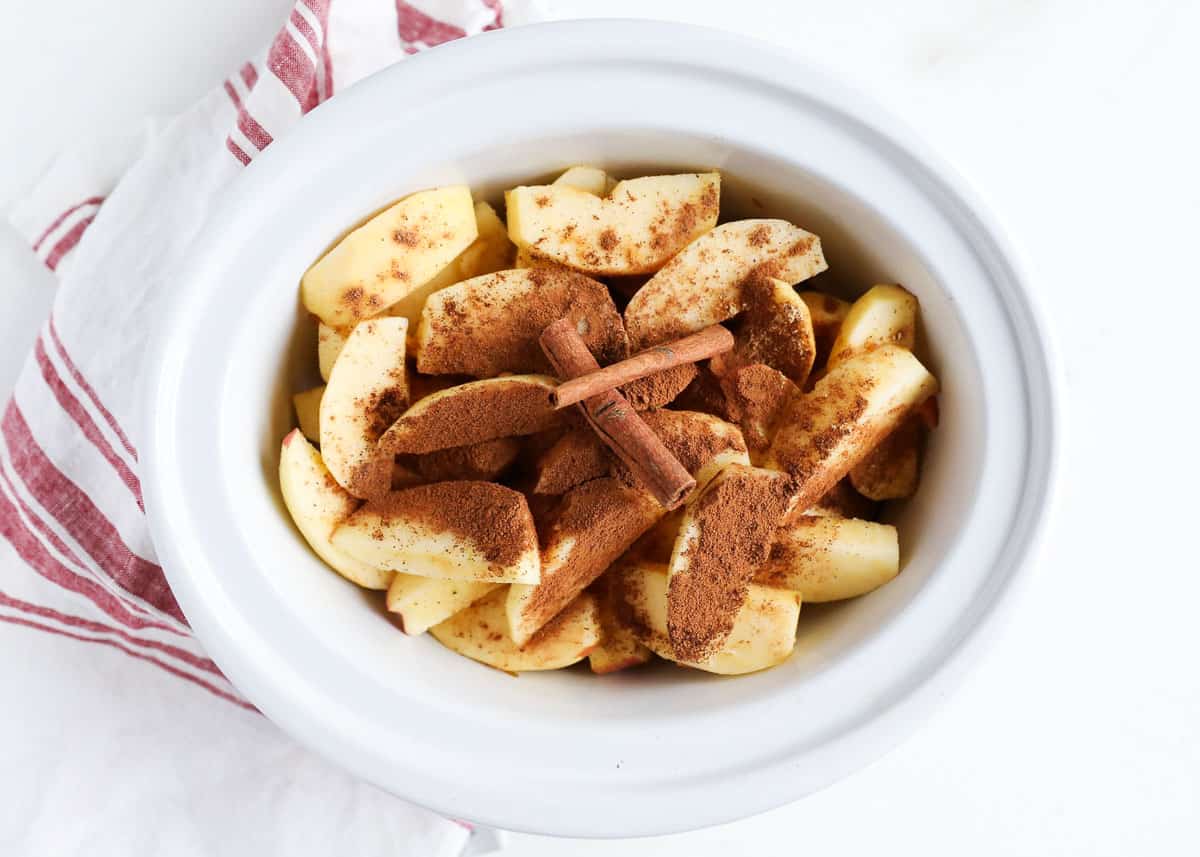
(165,756)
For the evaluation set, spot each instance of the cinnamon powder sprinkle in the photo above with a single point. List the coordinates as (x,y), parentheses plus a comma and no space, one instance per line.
(692,437)
(756,398)
(495,519)
(659,389)
(498,409)
(775,329)
(602,518)
(736,519)
(485,460)
(577,457)
(487,329)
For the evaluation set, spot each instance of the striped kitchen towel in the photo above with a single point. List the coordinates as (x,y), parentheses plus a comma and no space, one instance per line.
(184,763)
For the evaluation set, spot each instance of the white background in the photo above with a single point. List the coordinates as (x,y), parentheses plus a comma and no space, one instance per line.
(1079,121)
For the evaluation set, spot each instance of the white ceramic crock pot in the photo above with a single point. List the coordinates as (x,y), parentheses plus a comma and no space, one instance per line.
(648,751)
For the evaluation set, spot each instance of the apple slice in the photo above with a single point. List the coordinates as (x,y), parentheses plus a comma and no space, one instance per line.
(618,649)
(317,504)
(490,251)
(756,397)
(659,541)
(394,253)
(775,329)
(451,530)
(704,394)
(660,389)
(892,470)
(422,602)
(308,412)
(831,428)
(491,324)
(593,525)
(704,444)
(592,180)
(330,342)
(763,633)
(577,457)
(481,633)
(840,501)
(725,535)
(484,461)
(367,391)
(633,230)
(474,412)
(883,315)
(827,313)
(703,284)
(827,559)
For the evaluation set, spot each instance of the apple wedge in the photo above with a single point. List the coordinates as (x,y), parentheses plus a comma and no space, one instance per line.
(490,251)
(450,530)
(884,315)
(593,525)
(422,602)
(591,180)
(775,330)
(830,429)
(394,253)
(491,324)
(756,397)
(633,230)
(658,542)
(704,444)
(725,535)
(481,633)
(511,406)
(577,457)
(330,342)
(827,314)
(840,501)
(763,632)
(828,559)
(317,504)
(485,460)
(366,393)
(892,470)
(618,648)
(308,412)
(660,389)
(703,285)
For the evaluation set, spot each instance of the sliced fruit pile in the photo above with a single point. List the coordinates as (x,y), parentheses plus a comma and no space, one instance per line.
(433,465)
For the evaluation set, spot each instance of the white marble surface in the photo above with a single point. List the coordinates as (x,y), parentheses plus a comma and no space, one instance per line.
(1079,732)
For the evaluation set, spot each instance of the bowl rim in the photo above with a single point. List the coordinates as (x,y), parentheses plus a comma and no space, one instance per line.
(855,747)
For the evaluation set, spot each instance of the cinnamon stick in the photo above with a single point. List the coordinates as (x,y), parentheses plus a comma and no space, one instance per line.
(698,346)
(616,422)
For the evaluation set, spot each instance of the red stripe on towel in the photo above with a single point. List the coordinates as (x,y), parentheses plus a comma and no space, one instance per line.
(88,390)
(78,515)
(91,200)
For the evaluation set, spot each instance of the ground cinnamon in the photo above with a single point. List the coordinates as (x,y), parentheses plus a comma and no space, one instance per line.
(756,397)
(491,325)
(486,460)
(660,389)
(616,422)
(494,519)
(735,520)
(576,457)
(473,413)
